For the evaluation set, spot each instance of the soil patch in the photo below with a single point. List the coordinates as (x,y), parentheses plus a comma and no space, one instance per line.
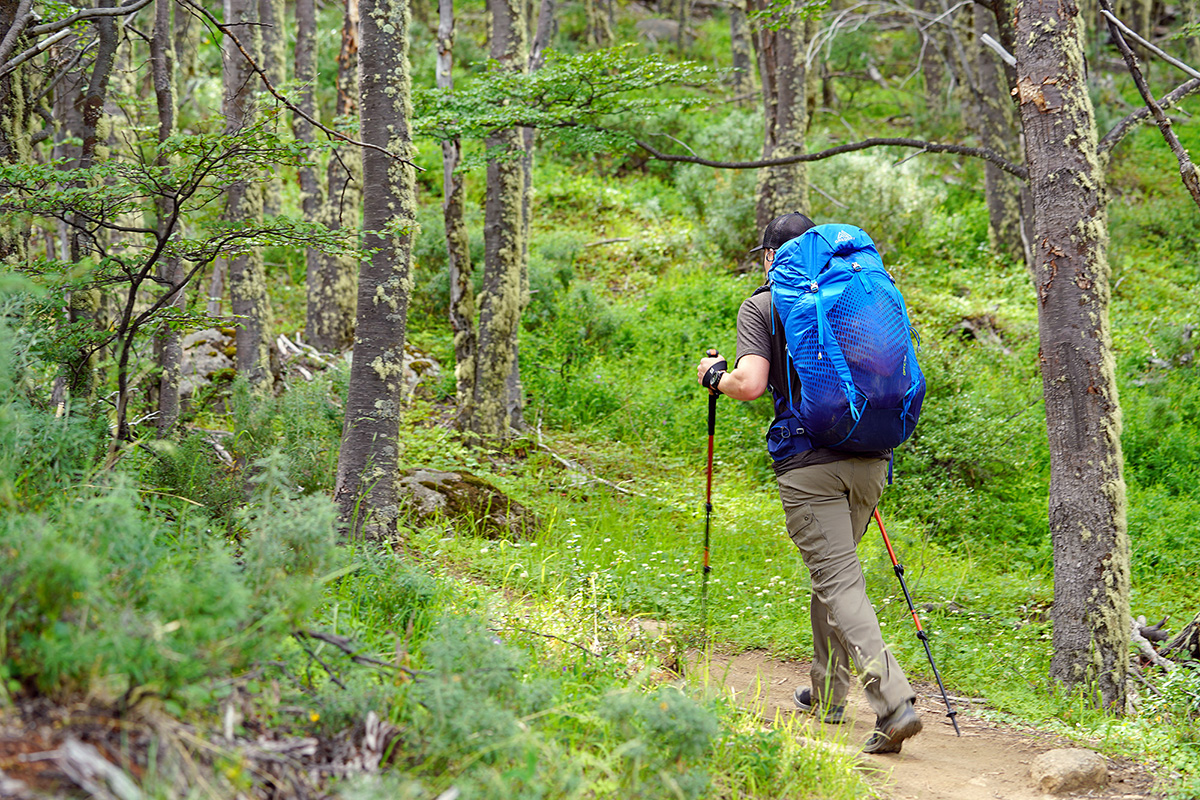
(990,760)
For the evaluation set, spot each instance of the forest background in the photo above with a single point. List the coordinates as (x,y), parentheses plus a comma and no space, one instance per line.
(213,576)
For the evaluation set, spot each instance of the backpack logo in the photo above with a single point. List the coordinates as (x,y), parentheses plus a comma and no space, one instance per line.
(849,341)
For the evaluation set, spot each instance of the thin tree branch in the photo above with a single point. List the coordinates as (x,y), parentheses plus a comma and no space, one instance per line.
(33,51)
(88,13)
(1005,56)
(931,147)
(22,19)
(1127,31)
(330,132)
(1122,128)
(1187,170)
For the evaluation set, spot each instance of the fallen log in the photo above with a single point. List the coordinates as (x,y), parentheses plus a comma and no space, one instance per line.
(1185,645)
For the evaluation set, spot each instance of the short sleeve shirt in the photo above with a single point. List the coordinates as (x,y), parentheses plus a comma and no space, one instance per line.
(760,333)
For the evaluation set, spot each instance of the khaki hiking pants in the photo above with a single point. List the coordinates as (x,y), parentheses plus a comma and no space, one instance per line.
(828,508)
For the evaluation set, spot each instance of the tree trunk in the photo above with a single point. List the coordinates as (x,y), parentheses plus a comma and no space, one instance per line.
(543,38)
(500,298)
(248,298)
(273,60)
(369,455)
(784,79)
(332,289)
(312,191)
(168,344)
(462,292)
(995,120)
(15,145)
(739,41)
(1192,12)
(933,38)
(1087,491)
(685,17)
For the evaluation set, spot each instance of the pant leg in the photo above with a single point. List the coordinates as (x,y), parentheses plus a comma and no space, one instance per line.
(827,507)
(830,672)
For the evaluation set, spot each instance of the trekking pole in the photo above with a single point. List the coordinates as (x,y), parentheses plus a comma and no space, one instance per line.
(950,711)
(712,428)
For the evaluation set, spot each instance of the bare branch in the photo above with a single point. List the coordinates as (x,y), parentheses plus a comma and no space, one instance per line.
(1005,56)
(330,132)
(1187,170)
(33,51)
(1127,31)
(22,18)
(131,7)
(1122,128)
(930,147)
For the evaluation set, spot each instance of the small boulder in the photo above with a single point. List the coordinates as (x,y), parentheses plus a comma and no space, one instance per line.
(428,494)
(1069,770)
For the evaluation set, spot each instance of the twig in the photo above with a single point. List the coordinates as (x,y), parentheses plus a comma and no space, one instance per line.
(330,132)
(610,241)
(299,636)
(828,197)
(579,468)
(547,636)
(346,646)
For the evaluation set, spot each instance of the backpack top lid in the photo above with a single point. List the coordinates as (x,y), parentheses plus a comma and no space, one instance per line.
(800,261)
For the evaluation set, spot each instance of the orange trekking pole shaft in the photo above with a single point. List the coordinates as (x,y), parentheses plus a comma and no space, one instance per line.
(899,568)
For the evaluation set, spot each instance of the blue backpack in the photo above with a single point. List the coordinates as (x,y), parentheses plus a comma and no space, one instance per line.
(850,344)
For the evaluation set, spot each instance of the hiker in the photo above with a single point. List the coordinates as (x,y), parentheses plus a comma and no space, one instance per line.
(828,498)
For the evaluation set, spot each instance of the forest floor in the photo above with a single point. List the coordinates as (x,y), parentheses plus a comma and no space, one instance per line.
(990,760)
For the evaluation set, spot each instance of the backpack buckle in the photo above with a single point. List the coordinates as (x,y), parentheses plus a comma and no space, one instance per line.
(813,287)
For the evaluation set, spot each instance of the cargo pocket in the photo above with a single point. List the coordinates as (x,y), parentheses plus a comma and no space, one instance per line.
(803,528)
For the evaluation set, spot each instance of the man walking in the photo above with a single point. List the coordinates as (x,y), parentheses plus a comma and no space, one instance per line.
(828,498)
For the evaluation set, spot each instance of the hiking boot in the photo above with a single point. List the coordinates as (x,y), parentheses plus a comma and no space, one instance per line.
(891,731)
(804,701)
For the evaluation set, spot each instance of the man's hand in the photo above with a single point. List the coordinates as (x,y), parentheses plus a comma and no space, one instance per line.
(746,381)
(711,359)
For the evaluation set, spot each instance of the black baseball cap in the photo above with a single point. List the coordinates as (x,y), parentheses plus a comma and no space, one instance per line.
(782,230)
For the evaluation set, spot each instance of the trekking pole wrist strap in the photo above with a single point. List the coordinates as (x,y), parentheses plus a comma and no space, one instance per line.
(713,377)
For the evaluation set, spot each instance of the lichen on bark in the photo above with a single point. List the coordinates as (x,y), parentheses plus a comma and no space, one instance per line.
(1087,506)
(369,452)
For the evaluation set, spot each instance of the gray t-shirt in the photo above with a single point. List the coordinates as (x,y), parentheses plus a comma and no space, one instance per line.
(760,333)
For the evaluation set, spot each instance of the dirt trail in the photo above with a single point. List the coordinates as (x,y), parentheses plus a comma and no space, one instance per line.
(989,761)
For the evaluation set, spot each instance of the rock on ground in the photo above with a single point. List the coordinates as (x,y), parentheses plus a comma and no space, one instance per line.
(1069,770)
(428,494)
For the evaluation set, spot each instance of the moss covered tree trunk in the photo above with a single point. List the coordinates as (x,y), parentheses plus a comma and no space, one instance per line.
(15,118)
(369,452)
(742,50)
(462,292)
(168,345)
(332,285)
(785,82)
(248,298)
(500,298)
(1083,419)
